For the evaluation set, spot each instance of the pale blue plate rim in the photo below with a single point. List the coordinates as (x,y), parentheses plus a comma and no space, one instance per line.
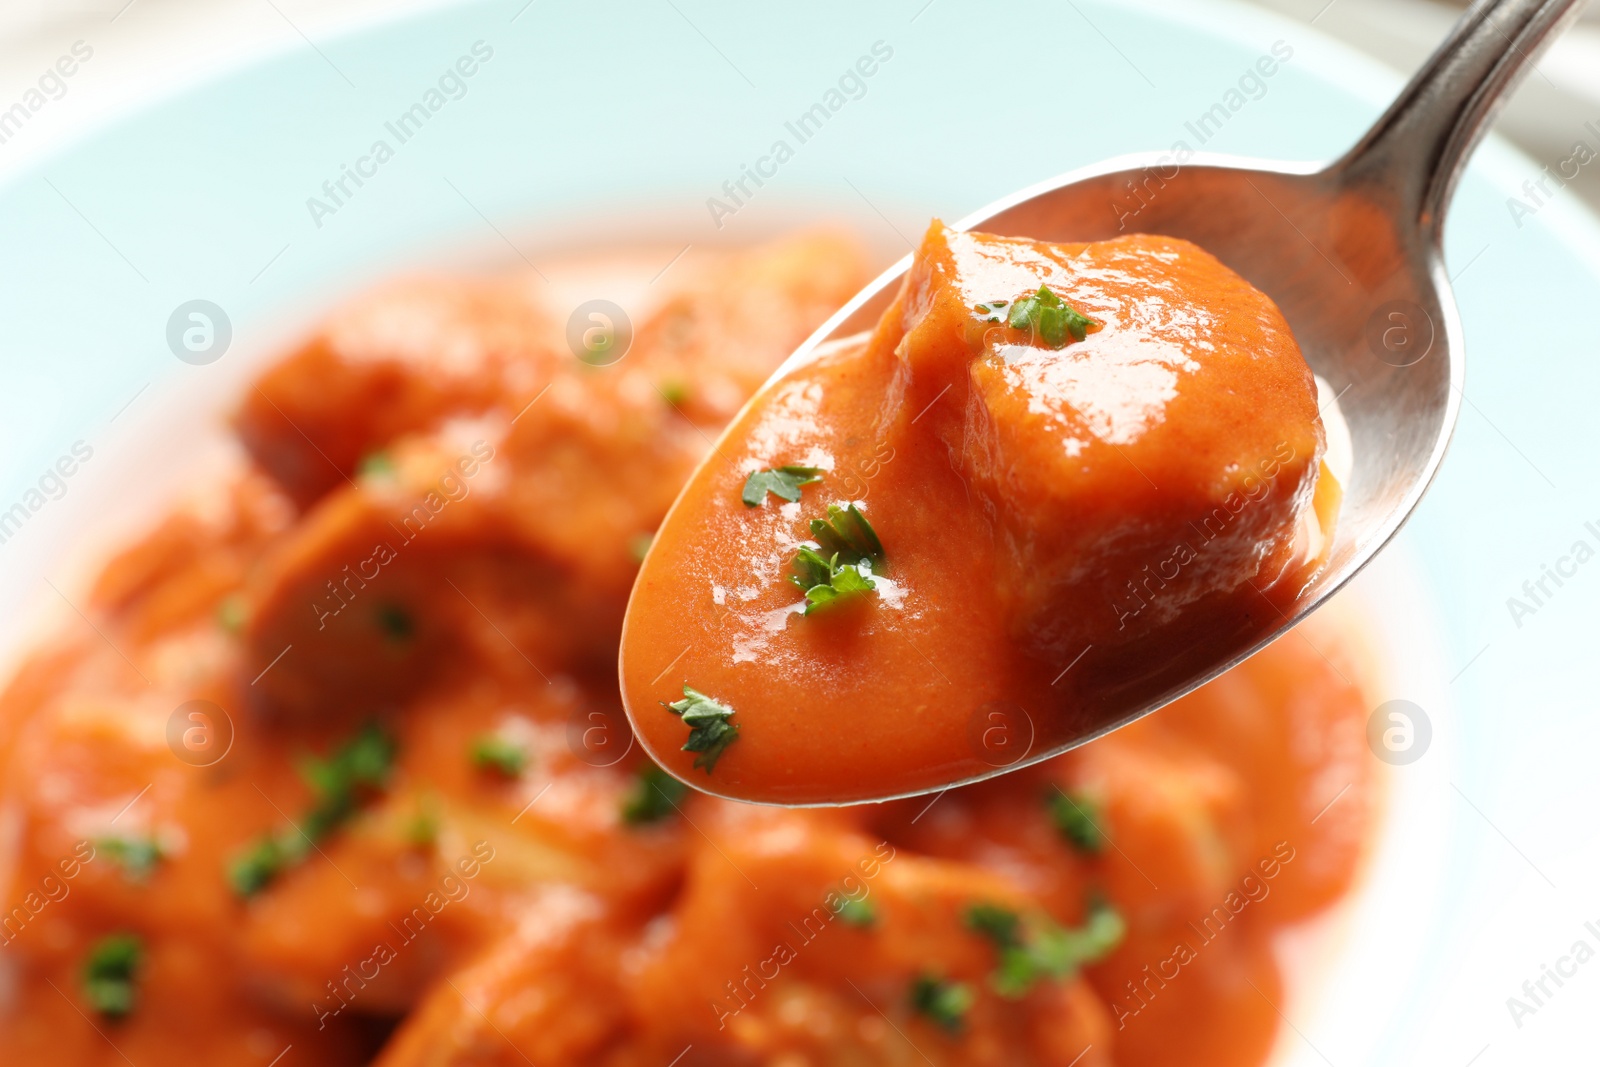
(1525,286)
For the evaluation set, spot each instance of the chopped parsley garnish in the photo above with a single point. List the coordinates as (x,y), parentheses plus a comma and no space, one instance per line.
(109,973)
(503,756)
(231,614)
(862,912)
(654,796)
(256,868)
(827,581)
(361,766)
(811,569)
(137,856)
(710,732)
(675,391)
(375,464)
(1037,947)
(338,785)
(422,829)
(846,532)
(396,623)
(1044,314)
(1000,925)
(784,482)
(1076,819)
(944,1003)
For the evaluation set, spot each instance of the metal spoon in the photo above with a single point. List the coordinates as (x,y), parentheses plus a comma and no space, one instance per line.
(1351,251)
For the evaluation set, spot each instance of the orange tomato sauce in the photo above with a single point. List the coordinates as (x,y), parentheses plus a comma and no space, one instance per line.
(430,537)
(1054,517)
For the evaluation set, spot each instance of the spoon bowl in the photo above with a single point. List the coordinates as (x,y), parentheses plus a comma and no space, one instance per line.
(1351,252)
(1370,304)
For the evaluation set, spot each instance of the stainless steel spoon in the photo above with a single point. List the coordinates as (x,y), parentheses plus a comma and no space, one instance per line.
(1351,251)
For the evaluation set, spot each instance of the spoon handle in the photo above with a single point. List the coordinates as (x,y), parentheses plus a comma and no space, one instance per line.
(1413,154)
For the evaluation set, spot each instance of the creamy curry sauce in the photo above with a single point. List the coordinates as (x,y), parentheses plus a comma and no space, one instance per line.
(430,840)
(1050,467)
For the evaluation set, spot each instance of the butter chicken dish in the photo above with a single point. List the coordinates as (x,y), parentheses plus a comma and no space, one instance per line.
(334,768)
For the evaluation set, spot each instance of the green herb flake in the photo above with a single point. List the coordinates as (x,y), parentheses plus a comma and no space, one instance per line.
(338,785)
(501,755)
(783,482)
(1077,819)
(675,392)
(109,975)
(844,535)
(231,613)
(1043,314)
(1000,925)
(827,581)
(137,856)
(1037,947)
(396,623)
(847,533)
(363,762)
(944,1003)
(654,796)
(422,829)
(257,867)
(710,732)
(811,569)
(375,465)
(856,912)
(1063,950)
